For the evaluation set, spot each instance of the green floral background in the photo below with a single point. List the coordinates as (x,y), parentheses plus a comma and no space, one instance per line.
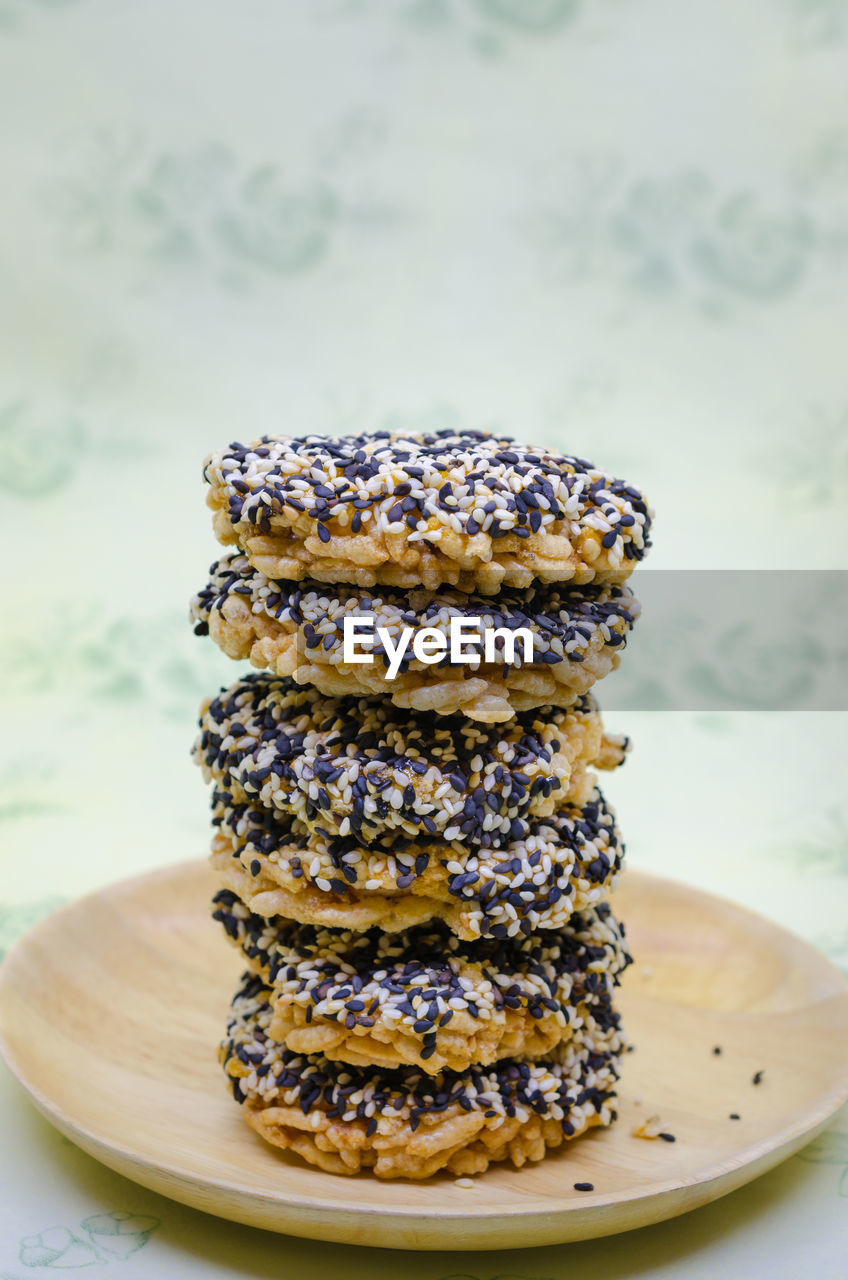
(617,226)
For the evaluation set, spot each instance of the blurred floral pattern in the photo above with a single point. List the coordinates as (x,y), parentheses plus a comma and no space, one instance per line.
(13,13)
(821,847)
(62,441)
(615,227)
(207,208)
(831,1148)
(812,462)
(16,919)
(102,1238)
(683,236)
(488,28)
(120,660)
(816,25)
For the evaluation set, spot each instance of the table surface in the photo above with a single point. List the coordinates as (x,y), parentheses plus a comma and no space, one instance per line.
(616,226)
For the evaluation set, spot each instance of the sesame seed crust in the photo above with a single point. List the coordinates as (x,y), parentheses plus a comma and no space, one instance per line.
(360,767)
(565,863)
(473,510)
(402,1123)
(423,997)
(296,628)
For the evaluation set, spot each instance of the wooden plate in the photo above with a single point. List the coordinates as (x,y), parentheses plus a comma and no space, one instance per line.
(111,1009)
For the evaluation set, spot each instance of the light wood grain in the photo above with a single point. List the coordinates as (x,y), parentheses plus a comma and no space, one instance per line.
(110,1011)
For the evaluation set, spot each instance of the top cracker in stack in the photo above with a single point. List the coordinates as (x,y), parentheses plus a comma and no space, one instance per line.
(469,510)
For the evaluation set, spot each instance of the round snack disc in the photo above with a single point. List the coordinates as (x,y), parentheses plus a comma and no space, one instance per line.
(565,863)
(297,629)
(469,509)
(363,768)
(423,997)
(403,1123)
